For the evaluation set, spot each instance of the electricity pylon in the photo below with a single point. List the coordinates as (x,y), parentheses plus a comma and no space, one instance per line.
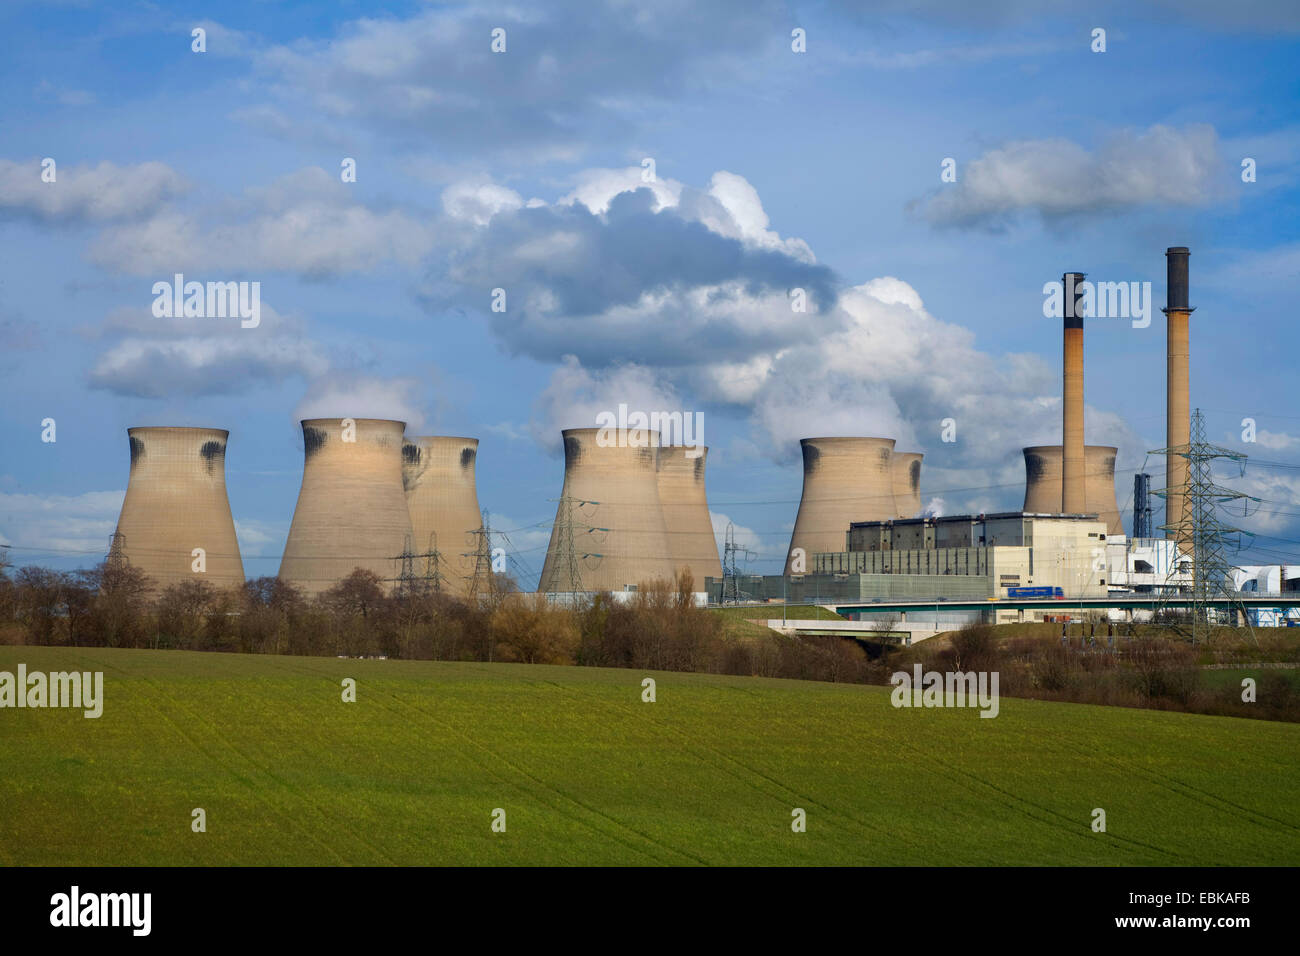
(1199,525)
(731,591)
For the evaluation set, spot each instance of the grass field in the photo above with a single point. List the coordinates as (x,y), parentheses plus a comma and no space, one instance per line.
(708,774)
(767,612)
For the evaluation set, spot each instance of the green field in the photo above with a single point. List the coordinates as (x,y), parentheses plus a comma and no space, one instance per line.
(587,773)
(768,612)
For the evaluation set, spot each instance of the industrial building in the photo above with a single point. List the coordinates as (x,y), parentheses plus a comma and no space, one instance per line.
(951,558)
(352,511)
(175,524)
(1264,580)
(438,476)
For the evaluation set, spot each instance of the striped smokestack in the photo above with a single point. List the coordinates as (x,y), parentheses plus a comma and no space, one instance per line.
(1177,413)
(1073,494)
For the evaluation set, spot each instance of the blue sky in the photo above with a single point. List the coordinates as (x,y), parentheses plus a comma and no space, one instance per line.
(522,170)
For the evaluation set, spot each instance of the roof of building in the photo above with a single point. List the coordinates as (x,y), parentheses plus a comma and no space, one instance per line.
(1081,516)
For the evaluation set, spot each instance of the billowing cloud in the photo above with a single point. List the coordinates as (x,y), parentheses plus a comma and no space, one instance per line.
(86,194)
(622,271)
(353,395)
(1057,178)
(575,396)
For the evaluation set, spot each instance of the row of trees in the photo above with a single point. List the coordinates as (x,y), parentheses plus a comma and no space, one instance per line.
(660,628)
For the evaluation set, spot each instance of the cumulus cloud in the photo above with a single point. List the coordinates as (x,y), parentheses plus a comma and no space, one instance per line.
(575,396)
(896,371)
(619,270)
(1276,441)
(1279,500)
(478,202)
(86,194)
(150,357)
(307,222)
(354,395)
(1057,178)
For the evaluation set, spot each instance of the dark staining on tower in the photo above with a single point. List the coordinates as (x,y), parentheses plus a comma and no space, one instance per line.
(914,476)
(313,439)
(137,449)
(411,455)
(214,454)
(811,457)
(467,457)
(699,467)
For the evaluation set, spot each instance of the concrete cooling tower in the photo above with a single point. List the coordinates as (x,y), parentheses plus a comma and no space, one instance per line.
(609,523)
(686,513)
(906,468)
(441,494)
(176,502)
(844,480)
(1043,474)
(351,511)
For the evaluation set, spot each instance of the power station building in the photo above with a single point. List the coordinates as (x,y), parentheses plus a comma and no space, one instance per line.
(959,557)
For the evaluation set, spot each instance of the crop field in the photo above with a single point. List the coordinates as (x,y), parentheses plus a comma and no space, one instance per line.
(585,772)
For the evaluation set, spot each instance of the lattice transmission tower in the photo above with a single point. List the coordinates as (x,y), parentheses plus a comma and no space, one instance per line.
(1200,529)
(732,593)
(408,582)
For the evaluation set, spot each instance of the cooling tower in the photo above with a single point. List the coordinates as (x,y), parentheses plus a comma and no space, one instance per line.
(438,475)
(844,480)
(1043,474)
(686,513)
(906,468)
(351,511)
(176,502)
(609,524)
(1177,412)
(1073,493)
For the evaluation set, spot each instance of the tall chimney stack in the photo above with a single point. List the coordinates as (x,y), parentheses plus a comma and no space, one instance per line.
(1177,412)
(1073,496)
